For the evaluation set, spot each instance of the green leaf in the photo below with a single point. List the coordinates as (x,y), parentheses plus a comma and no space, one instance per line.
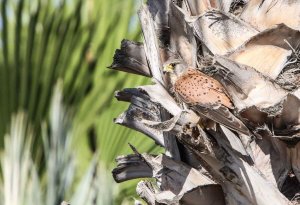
(42,41)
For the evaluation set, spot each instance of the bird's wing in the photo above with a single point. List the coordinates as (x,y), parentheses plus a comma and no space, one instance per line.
(195,87)
(222,115)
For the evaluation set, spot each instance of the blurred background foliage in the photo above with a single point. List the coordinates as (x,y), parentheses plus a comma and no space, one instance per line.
(67,43)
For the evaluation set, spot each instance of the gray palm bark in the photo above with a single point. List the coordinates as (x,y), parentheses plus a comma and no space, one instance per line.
(207,163)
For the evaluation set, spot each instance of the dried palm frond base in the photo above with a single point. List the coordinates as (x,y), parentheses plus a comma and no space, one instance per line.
(224,103)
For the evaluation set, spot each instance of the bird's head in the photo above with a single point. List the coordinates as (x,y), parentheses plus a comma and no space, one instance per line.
(169,68)
(174,66)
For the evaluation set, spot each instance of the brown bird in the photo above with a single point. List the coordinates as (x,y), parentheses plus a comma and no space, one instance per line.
(203,94)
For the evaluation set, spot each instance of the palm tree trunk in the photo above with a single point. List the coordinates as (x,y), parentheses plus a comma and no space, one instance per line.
(206,161)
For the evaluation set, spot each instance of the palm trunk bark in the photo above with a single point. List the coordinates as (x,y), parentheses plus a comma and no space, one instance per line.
(210,163)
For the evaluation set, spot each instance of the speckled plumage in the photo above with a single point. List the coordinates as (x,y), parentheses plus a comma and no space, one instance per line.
(194,87)
(206,96)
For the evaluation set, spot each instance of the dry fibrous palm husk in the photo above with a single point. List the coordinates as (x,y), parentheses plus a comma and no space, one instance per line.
(237,145)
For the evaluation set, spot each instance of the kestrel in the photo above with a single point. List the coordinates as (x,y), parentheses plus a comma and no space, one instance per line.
(202,94)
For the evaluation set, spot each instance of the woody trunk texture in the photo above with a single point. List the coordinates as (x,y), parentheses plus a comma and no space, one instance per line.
(224,103)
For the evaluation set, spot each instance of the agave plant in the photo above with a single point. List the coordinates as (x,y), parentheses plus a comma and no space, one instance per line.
(224,103)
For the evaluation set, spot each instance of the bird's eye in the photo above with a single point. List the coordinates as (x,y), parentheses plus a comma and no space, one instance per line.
(173,64)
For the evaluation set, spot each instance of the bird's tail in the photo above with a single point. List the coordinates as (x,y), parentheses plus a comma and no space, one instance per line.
(223,116)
